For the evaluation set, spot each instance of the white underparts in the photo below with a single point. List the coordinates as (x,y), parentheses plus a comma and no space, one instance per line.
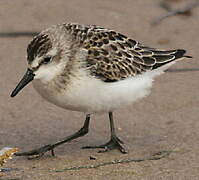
(88,94)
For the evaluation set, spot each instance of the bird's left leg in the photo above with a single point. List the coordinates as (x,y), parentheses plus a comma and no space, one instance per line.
(50,147)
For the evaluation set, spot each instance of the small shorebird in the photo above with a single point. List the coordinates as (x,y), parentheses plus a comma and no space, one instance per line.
(91,69)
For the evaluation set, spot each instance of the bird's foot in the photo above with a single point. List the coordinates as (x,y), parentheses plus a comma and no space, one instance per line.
(37,153)
(114,143)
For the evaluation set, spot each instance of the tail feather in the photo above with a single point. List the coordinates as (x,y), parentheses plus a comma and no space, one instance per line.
(179,53)
(164,57)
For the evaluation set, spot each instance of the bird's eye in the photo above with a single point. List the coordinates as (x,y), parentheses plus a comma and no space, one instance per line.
(47,59)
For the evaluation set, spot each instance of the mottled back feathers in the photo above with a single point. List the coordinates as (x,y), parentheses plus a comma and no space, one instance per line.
(113,56)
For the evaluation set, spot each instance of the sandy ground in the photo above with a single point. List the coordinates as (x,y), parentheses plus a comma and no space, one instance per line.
(167,120)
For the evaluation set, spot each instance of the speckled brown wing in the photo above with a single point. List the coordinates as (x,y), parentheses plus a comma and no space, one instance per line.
(113,56)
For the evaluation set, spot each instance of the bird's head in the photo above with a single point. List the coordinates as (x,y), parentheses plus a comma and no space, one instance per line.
(45,57)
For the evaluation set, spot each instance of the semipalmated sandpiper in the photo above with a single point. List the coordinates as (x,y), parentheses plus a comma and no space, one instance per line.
(91,69)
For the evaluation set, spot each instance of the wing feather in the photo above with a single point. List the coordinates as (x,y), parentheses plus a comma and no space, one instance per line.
(112,56)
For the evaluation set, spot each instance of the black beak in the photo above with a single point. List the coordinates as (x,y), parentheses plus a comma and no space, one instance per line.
(28,77)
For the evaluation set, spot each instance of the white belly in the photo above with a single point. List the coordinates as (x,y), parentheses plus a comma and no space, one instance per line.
(87,94)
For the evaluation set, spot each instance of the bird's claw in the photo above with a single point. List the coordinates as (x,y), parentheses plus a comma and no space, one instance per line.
(37,153)
(114,143)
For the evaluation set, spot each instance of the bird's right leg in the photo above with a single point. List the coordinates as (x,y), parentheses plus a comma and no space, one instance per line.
(50,147)
(113,143)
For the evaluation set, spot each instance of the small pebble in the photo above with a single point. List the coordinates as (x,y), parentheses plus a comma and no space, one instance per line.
(92,158)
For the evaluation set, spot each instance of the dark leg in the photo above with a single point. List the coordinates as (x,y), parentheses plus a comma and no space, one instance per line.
(114,143)
(50,147)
